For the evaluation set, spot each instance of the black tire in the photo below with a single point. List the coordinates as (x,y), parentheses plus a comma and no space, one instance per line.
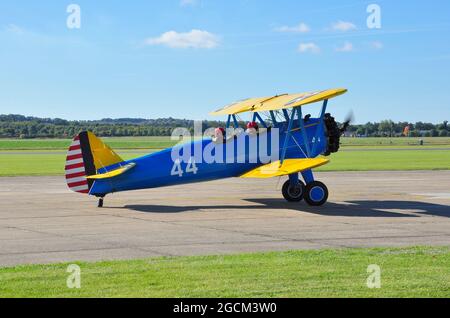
(293,194)
(316,193)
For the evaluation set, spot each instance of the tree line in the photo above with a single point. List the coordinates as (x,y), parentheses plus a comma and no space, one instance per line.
(19,126)
(388,128)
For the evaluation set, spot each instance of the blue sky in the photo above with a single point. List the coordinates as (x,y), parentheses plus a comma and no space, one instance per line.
(184,58)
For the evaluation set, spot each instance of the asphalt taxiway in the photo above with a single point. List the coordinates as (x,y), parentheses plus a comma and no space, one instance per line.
(41,221)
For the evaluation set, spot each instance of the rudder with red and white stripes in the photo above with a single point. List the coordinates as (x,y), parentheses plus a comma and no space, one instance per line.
(76,168)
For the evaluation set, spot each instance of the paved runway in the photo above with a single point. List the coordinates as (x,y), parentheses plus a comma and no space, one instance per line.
(42,222)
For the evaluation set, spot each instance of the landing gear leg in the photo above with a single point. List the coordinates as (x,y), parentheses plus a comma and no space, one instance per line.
(100,202)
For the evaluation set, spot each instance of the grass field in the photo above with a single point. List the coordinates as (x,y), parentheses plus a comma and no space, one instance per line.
(164,142)
(405,272)
(366,160)
(47,157)
(430,141)
(63,144)
(31,164)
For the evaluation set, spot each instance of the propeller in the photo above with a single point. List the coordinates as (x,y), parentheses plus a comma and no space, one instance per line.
(350,118)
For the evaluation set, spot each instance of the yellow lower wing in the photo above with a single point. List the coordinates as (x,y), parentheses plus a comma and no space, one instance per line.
(289,166)
(113,173)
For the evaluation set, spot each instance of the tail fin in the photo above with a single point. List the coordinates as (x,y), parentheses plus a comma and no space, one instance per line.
(87,154)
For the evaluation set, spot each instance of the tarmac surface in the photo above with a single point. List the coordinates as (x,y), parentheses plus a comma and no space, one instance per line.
(41,221)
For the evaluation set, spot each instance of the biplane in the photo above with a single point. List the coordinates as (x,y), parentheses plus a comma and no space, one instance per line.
(302,143)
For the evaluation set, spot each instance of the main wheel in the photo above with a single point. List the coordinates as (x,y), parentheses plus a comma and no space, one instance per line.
(293,193)
(316,193)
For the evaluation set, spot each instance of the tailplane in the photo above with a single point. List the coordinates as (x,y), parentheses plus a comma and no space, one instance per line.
(87,154)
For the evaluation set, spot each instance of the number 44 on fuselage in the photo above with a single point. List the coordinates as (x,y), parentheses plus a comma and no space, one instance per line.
(287,143)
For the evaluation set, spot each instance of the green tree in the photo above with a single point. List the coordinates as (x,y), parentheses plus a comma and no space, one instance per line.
(386,127)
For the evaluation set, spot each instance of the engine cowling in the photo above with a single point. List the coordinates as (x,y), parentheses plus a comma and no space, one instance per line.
(333,134)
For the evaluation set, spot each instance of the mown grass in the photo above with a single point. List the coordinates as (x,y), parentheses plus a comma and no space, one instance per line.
(36,164)
(165,142)
(398,141)
(15,160)
(63,144)
(405,272)
(380,160)
(29,164)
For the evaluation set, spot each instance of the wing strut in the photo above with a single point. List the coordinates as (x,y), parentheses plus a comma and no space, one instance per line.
(320,127)
(257,116)
(301,124)
(288,135)
(236,124)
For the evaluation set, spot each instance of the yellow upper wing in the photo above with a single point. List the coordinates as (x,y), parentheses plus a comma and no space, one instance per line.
(241,106)
(289,166)
(279,102)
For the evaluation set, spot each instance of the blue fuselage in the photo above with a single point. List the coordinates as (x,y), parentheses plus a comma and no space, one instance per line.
(160,169)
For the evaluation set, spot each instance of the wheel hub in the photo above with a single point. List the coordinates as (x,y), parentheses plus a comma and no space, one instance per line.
(295,191)
(317,194)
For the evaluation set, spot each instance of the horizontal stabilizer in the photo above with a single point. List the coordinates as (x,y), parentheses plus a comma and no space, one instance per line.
(113,173)
(288,167)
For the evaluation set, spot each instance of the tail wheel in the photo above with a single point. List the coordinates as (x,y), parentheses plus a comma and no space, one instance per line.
(293,193)
(316,193)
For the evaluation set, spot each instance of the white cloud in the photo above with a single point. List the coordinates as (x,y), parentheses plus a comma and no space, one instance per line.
(309,48)
(347,47)
(343,26)
(12,28)
(300,28)
(187,3)
(377,45)
(194,39)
